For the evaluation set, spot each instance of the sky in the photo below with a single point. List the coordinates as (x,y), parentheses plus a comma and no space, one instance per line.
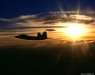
(14,8)
(32,16)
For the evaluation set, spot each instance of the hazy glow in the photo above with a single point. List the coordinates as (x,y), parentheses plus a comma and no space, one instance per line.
(75,30)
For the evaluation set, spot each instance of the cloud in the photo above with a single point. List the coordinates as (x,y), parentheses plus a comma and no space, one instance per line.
(20,22)
(37,20)
(4,19)
(22,17)
(50,30)
(27,21)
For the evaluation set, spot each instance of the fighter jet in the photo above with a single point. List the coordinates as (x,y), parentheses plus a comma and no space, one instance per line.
(38,37)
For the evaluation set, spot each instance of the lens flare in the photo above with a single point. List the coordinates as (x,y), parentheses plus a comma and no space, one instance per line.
(75,30)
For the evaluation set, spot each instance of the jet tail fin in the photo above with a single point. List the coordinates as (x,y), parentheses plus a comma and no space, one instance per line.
(44,35)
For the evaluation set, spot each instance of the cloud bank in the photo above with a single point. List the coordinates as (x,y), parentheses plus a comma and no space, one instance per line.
(42,20)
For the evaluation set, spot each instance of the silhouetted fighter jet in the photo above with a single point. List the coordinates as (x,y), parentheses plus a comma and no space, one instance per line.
(38,37)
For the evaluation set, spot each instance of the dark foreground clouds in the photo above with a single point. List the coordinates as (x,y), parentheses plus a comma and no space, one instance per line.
(48,60)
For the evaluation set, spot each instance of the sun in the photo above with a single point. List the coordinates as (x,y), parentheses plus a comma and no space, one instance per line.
(75,30)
